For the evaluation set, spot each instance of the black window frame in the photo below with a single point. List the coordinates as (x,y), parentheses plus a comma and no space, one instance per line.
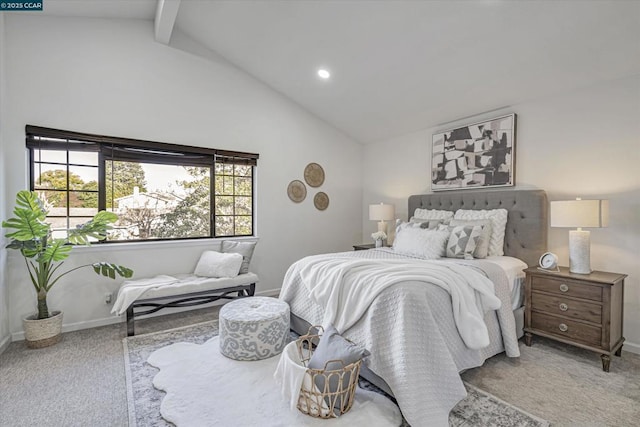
(134,150)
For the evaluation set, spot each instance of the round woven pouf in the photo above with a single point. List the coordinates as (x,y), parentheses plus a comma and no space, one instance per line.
(254,328)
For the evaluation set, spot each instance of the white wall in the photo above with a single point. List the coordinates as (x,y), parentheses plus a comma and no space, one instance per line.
(5,338)
(584,143)
(110,77)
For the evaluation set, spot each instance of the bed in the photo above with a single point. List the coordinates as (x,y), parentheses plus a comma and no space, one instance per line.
(411,328)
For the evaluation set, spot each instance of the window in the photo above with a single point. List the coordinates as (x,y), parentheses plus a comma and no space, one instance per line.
(159,191)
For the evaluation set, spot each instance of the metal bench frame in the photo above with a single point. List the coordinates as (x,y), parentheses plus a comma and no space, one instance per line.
(185,300)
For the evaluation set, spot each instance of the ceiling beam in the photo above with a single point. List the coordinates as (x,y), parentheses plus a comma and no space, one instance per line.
(166,14)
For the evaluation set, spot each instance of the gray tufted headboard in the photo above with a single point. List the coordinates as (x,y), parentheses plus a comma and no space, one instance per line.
(526,232)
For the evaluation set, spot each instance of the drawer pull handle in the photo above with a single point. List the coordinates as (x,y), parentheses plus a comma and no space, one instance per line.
(564,288)
(563,327)
(564,307)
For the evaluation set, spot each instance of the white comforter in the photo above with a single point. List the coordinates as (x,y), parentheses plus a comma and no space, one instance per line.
(410,329)
(346,289)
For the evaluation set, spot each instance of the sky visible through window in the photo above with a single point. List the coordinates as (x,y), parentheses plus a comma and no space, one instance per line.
(156,176)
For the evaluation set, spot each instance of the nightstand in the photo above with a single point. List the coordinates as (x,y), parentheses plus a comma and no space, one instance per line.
(364,246)
(584,310)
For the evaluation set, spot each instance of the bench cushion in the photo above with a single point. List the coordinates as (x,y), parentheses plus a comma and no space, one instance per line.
(188,283)
(167,286)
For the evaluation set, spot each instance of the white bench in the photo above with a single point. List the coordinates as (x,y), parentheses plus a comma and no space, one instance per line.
(187,290)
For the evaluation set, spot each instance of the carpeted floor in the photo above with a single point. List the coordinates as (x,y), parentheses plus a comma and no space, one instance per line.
(565,384)
(81,380)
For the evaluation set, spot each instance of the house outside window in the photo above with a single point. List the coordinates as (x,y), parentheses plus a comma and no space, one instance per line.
(159,191)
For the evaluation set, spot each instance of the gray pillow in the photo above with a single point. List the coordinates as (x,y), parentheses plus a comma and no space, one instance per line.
(333,346)
(243,248)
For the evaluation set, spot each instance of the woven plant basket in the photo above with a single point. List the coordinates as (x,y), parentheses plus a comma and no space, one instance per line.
(323,402)
(40,333)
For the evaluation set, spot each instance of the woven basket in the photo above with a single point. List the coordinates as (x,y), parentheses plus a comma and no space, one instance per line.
(40,333)
(324,403)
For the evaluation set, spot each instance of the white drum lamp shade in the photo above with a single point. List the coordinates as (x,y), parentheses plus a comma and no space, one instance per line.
(580,213)
(382,213)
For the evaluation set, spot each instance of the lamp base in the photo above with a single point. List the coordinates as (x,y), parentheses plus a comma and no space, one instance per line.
(579,252)
(382,226)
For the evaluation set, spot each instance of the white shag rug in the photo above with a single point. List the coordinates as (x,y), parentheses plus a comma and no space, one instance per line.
(205,388)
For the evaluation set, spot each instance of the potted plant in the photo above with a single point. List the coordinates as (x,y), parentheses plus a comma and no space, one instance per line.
(44,255)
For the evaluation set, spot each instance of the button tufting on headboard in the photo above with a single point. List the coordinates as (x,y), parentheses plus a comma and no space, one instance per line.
(526,240)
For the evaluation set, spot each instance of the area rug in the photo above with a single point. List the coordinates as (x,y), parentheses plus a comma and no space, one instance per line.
(208,392)
(144,400)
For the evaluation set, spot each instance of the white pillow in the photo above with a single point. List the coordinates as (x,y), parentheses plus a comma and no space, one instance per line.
(482,249)
(217,264)
(445,216)
(421,243)
(498,218)
(400,224)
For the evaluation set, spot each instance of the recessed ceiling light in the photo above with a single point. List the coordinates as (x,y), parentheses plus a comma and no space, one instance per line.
(324,74)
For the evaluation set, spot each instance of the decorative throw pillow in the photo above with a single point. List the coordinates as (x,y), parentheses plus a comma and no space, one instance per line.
(445,216)
(421,243)
(400,225)
(463,241)
(430,224)
(498,218)
(482,249)
(217,264)
(243,248)
(333,346)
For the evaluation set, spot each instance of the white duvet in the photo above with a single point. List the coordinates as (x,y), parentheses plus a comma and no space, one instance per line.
(347,287)
(410,330)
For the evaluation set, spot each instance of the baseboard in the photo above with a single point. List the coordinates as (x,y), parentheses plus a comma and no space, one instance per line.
(269,293)
(4,344)
(70,327)
(631,347)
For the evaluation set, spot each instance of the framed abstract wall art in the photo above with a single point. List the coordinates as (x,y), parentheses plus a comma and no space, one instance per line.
(478,155)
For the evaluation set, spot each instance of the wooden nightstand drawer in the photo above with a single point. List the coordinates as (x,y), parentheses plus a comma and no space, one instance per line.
(567,328)
(563,306)
(585,310)
(567,288)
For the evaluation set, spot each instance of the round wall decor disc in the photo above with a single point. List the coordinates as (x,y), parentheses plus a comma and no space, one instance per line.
(297,191)
(314,175)
(321,201)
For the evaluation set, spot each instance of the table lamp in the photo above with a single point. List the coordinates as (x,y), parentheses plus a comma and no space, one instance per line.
(382,213)
(580,213)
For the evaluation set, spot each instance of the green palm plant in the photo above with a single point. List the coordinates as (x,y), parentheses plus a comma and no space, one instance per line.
(44,255)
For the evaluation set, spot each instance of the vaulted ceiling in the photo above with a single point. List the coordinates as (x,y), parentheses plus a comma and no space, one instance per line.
(400,66)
